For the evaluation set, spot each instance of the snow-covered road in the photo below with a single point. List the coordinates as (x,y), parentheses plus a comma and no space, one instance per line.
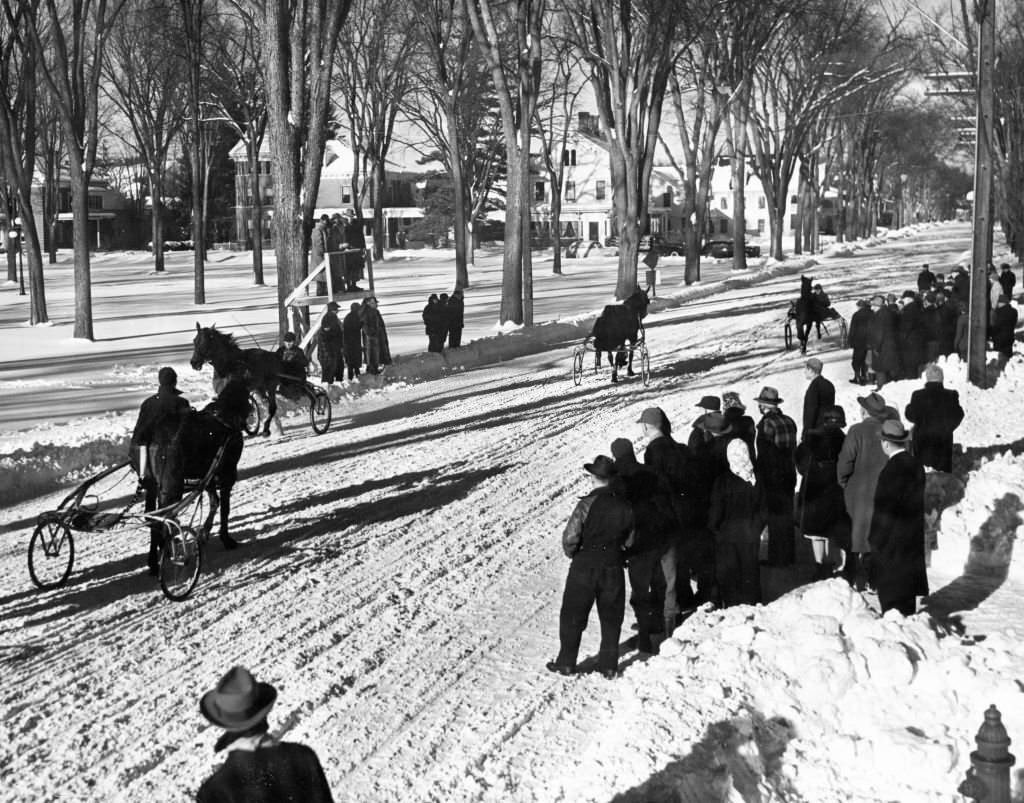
(400,584)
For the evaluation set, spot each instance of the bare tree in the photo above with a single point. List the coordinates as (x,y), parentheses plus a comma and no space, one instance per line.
(18,80)
(629,47)
(299,42)
(509,38)
(51,161)
(145,73)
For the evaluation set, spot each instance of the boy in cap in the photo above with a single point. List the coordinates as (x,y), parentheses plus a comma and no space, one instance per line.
(599,531)
(897,526)
(258,768)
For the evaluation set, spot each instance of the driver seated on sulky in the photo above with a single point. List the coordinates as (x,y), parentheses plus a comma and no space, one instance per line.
(822,306)
(293,366)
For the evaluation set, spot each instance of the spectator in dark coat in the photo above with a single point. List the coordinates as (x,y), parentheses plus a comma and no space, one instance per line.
(930,326)
(433,323)
(948,316)
(776,475)
(961,286)
(821,511)
(925,280)
(960,340)
(935,413)
(166,409)
(741,425)
(600,530)
(912,336)
(820,395)
(859,339)
(330,345)
(883,342)
(456,318)
(258,768)
(736,518)
(1007,280)
(709,404)
(355,242)
(860,462)
(655,524)
(353,328)
(1004,323)
(375,337)
(318,250)
(897,526)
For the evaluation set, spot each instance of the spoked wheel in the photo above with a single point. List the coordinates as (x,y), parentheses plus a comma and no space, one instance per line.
(253,420)
(180,561)
(51,554)
(319,410)
(844,333)
(577,366)
(645,365)
(788,334)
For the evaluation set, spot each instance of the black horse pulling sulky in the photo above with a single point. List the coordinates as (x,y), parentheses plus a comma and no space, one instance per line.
(617,324)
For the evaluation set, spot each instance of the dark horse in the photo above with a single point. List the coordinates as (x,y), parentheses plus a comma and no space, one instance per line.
(805,313)
(185,448)
(616,325)
(259,369)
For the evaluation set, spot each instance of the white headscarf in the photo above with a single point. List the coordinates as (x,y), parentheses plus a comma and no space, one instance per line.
(739,460)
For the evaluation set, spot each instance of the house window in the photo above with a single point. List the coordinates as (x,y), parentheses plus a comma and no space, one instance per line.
(794,199)
(760,226)
(570,190)
(600,190)
(265,168)
(725,202)
(569,157)
(538,191)
(95,201)
(760,202)
(346,197)
(723,226)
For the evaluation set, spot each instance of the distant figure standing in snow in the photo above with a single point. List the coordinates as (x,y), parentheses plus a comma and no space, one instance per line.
(355,241)
(736,518)
(859,340)
(599,531)
(820,395)
(860,462)
(353,329)
(375,337)
(1007,280)
(698,435)
(935,413)
(1001,330)
(258,767)
(432,314)
(897,526)
(317,250)
(883,340)
(456,313)
(330,341)
(776,475)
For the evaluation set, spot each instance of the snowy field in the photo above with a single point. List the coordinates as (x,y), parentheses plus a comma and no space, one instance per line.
(401,575)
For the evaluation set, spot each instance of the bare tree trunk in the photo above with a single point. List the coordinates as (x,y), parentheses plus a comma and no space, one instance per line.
(462,225)
(512,264)
(739,189)
(556,232)
(255,210)
(83,284)
(801,204)
(34,256)
(157,225)
(12,263)
(776,221)
(377,190)
(525,235)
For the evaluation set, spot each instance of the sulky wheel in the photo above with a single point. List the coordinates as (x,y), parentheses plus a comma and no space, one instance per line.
(51,554)
(253,420)
(577,366)
(319,410)
(180,561)
(844,334)
(787,334)
(645,365)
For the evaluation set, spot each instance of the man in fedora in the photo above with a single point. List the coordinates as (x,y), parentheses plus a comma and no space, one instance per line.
(698,435)
(599,531)
(258,768)
(860,462)
(776,475)
(330,346)
(820,395)
(897,526)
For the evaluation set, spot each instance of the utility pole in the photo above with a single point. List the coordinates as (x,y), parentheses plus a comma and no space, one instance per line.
(982,252)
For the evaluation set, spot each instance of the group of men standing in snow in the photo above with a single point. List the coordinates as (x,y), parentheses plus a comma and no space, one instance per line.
(715,509)
(343,344)
(444,319)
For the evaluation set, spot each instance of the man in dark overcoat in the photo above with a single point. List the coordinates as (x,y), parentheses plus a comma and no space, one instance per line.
(883,341)
(318,250)
(258,767)
(600,530)
(935,413)
(897,526)
(776,475)
(820,395)
(433,325)
(456,315)
(859,340)
(948,315)
(925,280)
(1004,323)
(375,337)
(1007,280)
(352,327)
(355,243)
(330,343)
(912,336)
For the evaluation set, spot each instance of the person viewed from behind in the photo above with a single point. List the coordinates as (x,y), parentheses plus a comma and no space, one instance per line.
(335,244)
(655,523)
(456,314)
(821,511)
(1004,323)
(352,326)
(165,409)
(859,340)
(949,314)
(883,341)
(819,396)
(293,366)
(330,344)
(861,460)
(1007,280)
(698,435)
(776,475)
(935,413)
(912,336)
(442,324)
(736,518)
(925,280)
(963,322)
(355,242)
(930,323)
(741,425)
(432,315)
(897,526)
(318,250)
(258,767)
(375,337)
(599,531)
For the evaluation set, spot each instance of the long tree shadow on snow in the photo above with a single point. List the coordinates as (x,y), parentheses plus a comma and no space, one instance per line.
(740,756)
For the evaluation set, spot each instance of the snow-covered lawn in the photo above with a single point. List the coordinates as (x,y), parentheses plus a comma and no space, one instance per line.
(401,577)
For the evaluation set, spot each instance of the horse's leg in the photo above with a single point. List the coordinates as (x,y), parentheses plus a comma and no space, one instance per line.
(629,363)
(613,360)
(817,326)
(225,511)
(271,409)
(214,500)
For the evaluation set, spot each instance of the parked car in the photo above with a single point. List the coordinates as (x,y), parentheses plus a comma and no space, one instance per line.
(723,249)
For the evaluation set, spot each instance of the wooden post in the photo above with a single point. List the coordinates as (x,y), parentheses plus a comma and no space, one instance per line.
(977,332)
(988,779)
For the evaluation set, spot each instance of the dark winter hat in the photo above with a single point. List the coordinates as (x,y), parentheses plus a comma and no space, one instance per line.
(909,294)
(894,432)
(167,377)
(710,403)
(289,337)
(603,467)
(355,306)
(333,306)
(873,403)
(769,397)
(834,416)
(863,302)
(432,297)
(715,424)
(622,449)
(891,298)
(929,297)
(238,701)
(731,399)
(654,416)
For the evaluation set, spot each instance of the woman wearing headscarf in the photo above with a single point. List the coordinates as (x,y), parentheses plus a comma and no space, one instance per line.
(736,518)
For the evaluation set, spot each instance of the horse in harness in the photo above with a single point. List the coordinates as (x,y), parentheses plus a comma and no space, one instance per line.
(615,326)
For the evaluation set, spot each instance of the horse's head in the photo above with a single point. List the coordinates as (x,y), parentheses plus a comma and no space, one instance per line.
(200,347)
(638,303)
(210,346)
(232,403)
